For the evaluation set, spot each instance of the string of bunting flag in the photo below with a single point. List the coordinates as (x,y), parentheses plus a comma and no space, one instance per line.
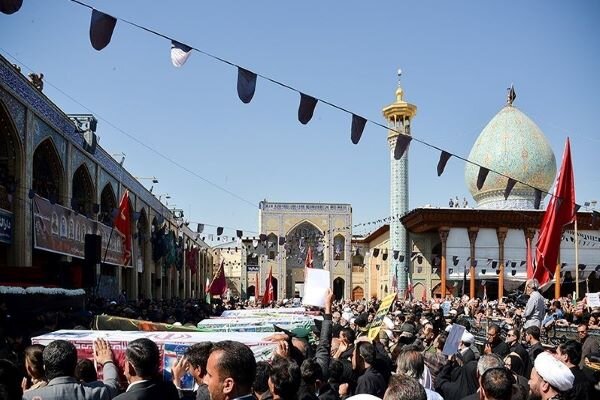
(459,262)
(101,30)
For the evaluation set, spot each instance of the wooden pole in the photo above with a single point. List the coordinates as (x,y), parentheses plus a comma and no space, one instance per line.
(443,264)
(472,238)
(501,234)
(557,279)
(576,261)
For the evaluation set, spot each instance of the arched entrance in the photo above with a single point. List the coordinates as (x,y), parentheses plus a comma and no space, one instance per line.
(48,172)
(358,293)
(48,182)
(298,241)
(251,291)
(10,176)
(83,191)
(108,202)
(338,288)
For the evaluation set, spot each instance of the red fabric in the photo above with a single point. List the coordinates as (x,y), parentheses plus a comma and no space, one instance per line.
(268,296)
(560,212)
(308,263)
(409,290)
(191,260)
(219,284)
(122,224)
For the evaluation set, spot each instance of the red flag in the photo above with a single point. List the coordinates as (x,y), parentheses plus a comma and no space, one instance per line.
(218,286)
(529,260)
(409,290)
(308,263)
(122,223)
(560,212)
(268,297)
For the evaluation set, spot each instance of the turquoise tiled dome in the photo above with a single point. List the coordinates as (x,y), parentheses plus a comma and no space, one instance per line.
(511,143)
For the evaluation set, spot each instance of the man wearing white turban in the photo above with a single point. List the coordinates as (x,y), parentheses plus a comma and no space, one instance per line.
(549,379)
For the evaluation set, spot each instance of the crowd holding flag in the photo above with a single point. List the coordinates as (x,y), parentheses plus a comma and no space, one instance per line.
(409,289)
(559,213)
(268,297)
(308,263)
(218,286)
(122,224)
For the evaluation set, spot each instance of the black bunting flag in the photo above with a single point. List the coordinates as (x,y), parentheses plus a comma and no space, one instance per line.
(538,199)
(402,143)
(358,125)
(306,108)
(444,157)
(101,29)
(246,84)
(483,173)
(509,187)
(10,6)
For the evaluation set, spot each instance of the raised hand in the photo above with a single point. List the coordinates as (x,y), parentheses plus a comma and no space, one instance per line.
(179,369)
(102,352)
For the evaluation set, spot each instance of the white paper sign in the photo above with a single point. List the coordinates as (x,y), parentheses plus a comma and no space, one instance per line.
(316,284)
(593,299)
(453,340)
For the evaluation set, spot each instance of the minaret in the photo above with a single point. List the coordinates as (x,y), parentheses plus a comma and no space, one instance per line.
(398,116)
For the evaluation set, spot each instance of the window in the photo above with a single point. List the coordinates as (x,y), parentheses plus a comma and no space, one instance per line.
(339,244)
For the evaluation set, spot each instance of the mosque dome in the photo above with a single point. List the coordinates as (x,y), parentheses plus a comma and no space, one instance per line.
(511,143)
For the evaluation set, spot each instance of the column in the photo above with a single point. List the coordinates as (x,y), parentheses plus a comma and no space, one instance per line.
(501,233)
(22,247)
(443,232)
(472,238)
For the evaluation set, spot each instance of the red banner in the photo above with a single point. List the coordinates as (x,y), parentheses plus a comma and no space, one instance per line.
(62,230)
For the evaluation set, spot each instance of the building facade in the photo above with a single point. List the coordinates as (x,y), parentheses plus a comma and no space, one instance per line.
(484,250)
(289,231)
(54,177)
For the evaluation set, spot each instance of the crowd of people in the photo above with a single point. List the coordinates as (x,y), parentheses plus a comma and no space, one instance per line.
(407,358)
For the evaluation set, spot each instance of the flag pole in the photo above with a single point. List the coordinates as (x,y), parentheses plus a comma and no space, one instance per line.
(576,260)
(557,278)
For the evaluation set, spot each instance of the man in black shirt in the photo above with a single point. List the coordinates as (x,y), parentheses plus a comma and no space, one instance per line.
(513,339)
(494,343)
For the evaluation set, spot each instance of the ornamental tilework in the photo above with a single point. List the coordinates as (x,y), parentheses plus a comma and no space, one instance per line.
(106,178)
(18,87)
(41,132)
(512,144)
(15,83)
(16,111)
(78,158)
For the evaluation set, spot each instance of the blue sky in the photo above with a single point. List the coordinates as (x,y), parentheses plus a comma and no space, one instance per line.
(457,58)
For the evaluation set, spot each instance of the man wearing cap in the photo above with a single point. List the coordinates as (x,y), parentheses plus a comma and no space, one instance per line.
(550,378)
(465,347)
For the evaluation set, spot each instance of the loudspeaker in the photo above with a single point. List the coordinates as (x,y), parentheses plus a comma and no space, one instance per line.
(93,249)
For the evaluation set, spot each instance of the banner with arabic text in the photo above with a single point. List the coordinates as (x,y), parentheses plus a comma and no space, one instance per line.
(62,230)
